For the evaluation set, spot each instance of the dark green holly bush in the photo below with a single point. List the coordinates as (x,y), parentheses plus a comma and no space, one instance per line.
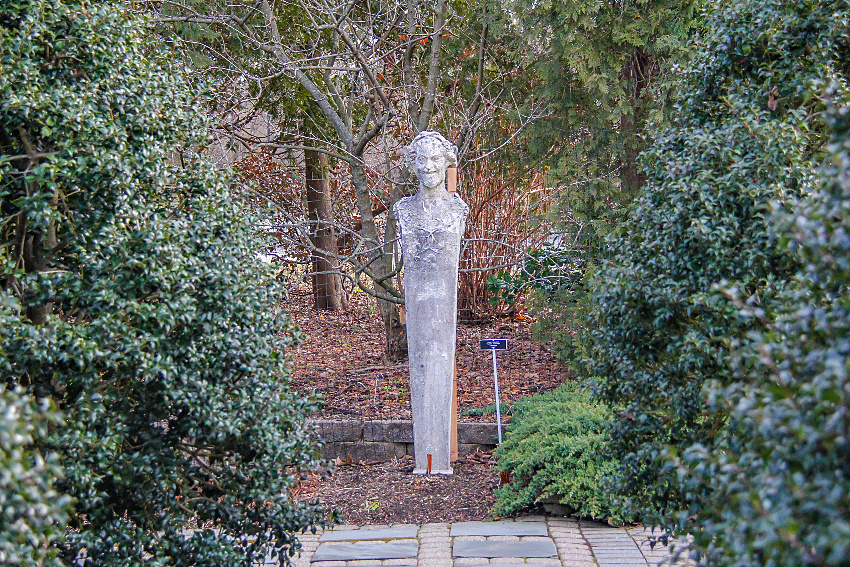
(32,512)
(778,491)
(132,297)
(555,450)
(749,132)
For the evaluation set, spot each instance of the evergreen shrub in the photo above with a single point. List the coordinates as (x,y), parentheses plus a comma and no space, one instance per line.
(778,491)
(747,135)
(32,512)
(132,297)
(556,452)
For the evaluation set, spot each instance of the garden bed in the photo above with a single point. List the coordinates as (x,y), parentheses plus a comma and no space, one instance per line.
(341,357)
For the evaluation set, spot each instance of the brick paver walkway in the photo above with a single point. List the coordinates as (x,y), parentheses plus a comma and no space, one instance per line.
(535,540)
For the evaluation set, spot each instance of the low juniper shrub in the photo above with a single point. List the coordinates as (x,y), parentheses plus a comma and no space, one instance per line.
(556,452)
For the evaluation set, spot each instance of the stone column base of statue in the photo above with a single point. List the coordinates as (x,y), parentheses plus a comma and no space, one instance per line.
(432,224)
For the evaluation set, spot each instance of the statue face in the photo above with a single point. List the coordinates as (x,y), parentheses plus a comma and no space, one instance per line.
(431,164)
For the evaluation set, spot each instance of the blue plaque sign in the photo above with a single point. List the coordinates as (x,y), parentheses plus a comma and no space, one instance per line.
(493,344)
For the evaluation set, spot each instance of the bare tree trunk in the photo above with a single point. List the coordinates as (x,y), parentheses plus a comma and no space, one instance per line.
(395,329)
(327,283)
(639,72)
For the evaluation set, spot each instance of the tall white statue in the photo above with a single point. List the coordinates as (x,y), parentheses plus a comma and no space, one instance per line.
(432,223)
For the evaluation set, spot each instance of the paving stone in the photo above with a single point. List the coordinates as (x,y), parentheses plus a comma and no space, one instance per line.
(571,542)
(328,564)
(570,563)
(398,562)
(504,549)
(499,529)
(574,555)
(434,563)
(403,532)
(471,562)
(435,538)
(570,538)
(471,538)
(543,561)
(434,553)
(503,538)
(579,550)
(399,549)
(531,539)
(365,563)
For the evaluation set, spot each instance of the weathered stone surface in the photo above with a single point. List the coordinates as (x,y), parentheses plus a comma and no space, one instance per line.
(477,433)
(361,550)
(499,529)
(400,532)
(395,431)
(332,430)
(492,549)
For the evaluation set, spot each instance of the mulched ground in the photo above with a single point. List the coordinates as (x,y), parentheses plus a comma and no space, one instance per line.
(388,493)
(342,358)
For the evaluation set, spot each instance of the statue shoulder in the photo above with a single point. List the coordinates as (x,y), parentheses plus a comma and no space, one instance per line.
(403,209)
(460,204)
(402,204)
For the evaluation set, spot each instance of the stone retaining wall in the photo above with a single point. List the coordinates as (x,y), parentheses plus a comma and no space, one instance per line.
(392,439)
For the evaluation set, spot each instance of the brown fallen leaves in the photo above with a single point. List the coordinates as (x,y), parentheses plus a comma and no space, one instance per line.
(342,358)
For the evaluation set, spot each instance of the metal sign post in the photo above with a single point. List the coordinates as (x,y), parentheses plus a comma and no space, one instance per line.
(494,345)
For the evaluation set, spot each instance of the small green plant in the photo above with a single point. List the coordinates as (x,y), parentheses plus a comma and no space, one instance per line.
(506,409)
(548,269)
(556,452)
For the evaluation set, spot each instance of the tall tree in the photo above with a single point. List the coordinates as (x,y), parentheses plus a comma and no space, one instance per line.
(327,284)
(131,298)
(604,69)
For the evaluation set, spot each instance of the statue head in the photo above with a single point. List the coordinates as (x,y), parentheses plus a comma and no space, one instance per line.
(429,155)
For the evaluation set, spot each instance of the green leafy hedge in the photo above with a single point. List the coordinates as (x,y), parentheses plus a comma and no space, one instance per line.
(32,512)
(778,491)
(132,297)
(748,135)
(556,451)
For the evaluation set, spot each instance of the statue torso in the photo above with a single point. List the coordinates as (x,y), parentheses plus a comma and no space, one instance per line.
(431,230)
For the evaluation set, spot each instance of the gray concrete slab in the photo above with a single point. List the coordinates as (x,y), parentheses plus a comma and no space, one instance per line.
(400,532)
(499,529)
(493,549)
(364,550)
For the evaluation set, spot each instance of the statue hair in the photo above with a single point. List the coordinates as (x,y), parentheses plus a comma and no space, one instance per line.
(411,149)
